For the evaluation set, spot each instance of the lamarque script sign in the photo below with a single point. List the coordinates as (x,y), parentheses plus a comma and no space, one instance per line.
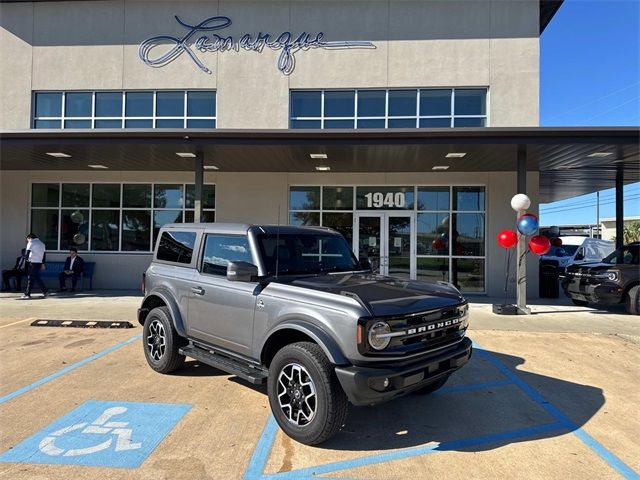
(288,44)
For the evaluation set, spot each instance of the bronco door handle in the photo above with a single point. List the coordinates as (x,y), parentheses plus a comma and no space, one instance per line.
(197,290)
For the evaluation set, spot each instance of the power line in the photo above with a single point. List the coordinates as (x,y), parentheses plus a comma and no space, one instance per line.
(637,196)
(585,201)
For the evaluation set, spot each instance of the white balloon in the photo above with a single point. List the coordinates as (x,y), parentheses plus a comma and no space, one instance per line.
(520,202)
(555,231)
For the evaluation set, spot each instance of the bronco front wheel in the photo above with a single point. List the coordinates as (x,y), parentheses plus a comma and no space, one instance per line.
(305,396)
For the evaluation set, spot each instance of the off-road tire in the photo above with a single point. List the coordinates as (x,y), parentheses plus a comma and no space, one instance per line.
(432,387)
(632,300)
(579,303)
(170,359)
(331,401)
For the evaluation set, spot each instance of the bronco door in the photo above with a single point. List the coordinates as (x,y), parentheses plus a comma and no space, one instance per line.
(221,312)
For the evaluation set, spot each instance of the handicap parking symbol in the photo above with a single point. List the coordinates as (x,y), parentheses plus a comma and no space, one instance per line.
(107,434)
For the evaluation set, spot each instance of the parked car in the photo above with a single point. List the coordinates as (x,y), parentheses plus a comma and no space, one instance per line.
(614,280)
(293,307)
(578,250)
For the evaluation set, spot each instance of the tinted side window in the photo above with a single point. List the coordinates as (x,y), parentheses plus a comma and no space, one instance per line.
(219,250)
(176,246)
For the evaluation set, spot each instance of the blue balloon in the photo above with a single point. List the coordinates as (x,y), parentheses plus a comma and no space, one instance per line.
(527,224)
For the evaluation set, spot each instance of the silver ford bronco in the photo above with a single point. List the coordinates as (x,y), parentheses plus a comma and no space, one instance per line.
(293,307)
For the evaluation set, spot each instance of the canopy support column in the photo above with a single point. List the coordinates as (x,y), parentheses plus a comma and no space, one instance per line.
(619,208)
(521,249)
(199,182)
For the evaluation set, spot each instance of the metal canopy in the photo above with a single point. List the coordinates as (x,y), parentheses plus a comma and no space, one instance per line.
(561,155)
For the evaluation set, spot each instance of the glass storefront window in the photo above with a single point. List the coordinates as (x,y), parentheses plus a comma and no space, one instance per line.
(136,230)
(433,234)
(468,274)
(371,103)
(304,218)
(304,198)
(110,216)
(75,194)
(108,104)
(136,195)
(106,195)
(201,104)
(74,229)
(342,222)
(169,104)
(45,195)
(470,101)
(339,104)
(433,269)
(468,199)
(306,104)
(433,198)
(77,104)
(208,196)
(168,196)
(138,104)
(48,104)
(402,103)
(44,223)
(468,234)
(435,102)
(337,198)
(105,230)
(384,198)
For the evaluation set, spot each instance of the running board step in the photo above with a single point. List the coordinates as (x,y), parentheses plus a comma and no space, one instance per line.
(256,375)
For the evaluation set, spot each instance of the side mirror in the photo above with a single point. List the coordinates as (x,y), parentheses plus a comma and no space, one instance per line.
(366,264)
(241,272)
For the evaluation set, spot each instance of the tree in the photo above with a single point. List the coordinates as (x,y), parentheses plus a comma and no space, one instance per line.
(631,232)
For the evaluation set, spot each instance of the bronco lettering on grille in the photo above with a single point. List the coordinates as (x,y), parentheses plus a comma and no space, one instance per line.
(434,326)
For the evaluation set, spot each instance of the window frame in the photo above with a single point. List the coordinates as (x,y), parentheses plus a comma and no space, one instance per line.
(452,117)
(120,209)
(123,116)
(450,257)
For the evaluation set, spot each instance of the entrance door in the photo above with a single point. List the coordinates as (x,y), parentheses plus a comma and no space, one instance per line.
(387,239)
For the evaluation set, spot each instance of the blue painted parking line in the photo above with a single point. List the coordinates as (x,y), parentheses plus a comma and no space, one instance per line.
(70,368)
(255,470)
(612,460)
(417,451)
(104,434)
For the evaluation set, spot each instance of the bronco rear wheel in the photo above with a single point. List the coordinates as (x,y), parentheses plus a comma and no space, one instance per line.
(161,342)
(305,396)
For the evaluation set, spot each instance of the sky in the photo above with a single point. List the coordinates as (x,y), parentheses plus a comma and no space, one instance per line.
(590,76)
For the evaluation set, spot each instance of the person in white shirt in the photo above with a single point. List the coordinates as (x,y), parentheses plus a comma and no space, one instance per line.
(35,256)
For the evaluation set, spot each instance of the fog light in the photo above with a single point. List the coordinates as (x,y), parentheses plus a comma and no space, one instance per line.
(385,383)
(379,384)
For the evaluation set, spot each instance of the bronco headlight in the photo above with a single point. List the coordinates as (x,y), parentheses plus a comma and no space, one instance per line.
(379,337)
(612,276)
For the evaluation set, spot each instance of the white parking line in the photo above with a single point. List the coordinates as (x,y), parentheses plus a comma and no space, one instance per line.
(15,323)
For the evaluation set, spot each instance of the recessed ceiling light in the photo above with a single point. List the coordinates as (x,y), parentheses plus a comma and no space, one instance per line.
(440,167)
(186,154)
(599,154)
(323,168)
(98,166)
(318,156)
(456,154)
(58,154)
(210,167)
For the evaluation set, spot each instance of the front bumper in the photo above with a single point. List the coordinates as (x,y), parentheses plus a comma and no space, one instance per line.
(606,293)
(359,382)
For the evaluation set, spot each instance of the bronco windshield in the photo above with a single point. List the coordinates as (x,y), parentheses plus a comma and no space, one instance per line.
(306,254)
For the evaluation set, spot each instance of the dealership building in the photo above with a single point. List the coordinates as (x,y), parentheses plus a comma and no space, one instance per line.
(406,125)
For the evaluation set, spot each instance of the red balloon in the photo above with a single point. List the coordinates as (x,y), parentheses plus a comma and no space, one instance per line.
(438,244)
(507,239)
(556,242)
(539,244)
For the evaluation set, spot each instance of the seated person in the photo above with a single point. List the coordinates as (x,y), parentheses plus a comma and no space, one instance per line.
(73,267)
(19,270)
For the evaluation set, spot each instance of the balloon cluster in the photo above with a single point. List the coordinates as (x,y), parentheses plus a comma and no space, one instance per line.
(527,225)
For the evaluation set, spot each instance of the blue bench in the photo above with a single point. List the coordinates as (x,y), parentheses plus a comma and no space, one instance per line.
(53,269)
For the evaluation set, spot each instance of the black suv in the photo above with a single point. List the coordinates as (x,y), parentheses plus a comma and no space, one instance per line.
(614,280)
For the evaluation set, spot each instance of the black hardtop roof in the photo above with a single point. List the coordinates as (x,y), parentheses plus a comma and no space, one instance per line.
(243,228)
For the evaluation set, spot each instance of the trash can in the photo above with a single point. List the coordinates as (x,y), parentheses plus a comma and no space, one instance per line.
(549,280)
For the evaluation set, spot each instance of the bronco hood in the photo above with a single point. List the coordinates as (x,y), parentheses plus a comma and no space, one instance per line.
(385,296)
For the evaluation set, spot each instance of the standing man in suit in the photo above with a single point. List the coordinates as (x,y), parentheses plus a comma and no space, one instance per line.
(19,270)
(35,257)
(73,267)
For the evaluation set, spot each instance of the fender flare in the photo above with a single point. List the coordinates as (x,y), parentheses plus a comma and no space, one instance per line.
(171,304)
(321,337)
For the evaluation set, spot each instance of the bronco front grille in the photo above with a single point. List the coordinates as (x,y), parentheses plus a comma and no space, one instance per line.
(422,331)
